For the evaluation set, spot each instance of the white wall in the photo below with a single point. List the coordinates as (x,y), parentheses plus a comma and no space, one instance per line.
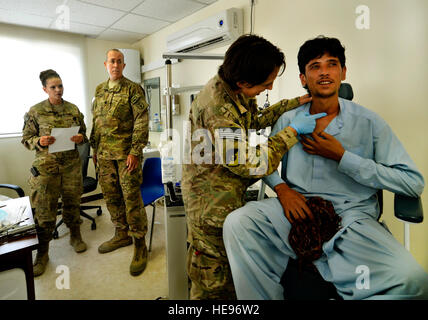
(15,159)
(386,67)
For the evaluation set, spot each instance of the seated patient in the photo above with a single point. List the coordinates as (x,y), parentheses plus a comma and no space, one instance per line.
(350,155)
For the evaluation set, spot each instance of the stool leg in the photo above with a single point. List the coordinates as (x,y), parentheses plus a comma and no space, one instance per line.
(151,230)
(407,236)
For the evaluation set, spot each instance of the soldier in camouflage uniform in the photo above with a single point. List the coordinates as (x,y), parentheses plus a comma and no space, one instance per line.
(119,134)
(54,174)
(226,108)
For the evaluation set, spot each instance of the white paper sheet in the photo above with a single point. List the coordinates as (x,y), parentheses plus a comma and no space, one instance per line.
(62,139)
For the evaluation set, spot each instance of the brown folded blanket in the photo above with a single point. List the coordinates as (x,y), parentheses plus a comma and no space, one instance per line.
(307,236)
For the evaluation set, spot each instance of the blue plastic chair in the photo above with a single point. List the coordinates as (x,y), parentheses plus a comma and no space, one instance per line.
(152,188)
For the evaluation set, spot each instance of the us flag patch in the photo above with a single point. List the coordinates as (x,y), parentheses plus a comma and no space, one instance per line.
(230,133)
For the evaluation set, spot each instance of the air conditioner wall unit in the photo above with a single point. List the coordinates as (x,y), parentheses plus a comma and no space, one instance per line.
(219,30)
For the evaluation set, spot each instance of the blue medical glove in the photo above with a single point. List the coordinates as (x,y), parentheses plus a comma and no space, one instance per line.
(304,123)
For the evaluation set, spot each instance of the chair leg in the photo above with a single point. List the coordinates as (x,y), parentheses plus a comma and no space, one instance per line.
(55,233)
(407,236)
(90,207)
(99,212)
(87,216)
(151,230)
(83,214)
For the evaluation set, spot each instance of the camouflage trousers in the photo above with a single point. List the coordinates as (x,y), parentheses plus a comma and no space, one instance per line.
(48,187)
(207,265)
(121,191)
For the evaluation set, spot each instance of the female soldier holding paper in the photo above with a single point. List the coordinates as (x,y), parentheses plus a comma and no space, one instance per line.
(54,174)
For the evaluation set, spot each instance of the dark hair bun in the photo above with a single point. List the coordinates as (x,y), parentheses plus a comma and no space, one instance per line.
(47,74)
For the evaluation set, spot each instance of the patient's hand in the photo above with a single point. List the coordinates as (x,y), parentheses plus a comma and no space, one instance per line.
(324,145)
(293,203)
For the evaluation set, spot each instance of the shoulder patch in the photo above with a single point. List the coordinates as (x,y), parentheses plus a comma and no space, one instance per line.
(26,118)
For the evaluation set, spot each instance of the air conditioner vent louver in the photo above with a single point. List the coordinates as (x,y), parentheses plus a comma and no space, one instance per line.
(203,44)
(215,31)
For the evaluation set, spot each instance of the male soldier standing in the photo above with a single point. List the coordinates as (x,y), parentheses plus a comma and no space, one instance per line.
(119,134)
(226,110)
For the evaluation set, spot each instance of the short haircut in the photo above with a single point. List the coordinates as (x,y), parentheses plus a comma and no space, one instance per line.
(252,59)
(48,74)
(317,47)
(116,50)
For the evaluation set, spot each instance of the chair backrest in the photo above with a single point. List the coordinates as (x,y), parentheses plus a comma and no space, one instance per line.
(17,189)
(152,187)
(152,172)
(345,91)
(84,151)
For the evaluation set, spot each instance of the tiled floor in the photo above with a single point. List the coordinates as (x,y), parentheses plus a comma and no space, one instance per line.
(90,275)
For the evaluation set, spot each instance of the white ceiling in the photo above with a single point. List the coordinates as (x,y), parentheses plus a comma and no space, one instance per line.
(116,20)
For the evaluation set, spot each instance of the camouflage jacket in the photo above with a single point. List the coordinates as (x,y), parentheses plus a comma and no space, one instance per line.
(217,186)
(120,124)
(39,121)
